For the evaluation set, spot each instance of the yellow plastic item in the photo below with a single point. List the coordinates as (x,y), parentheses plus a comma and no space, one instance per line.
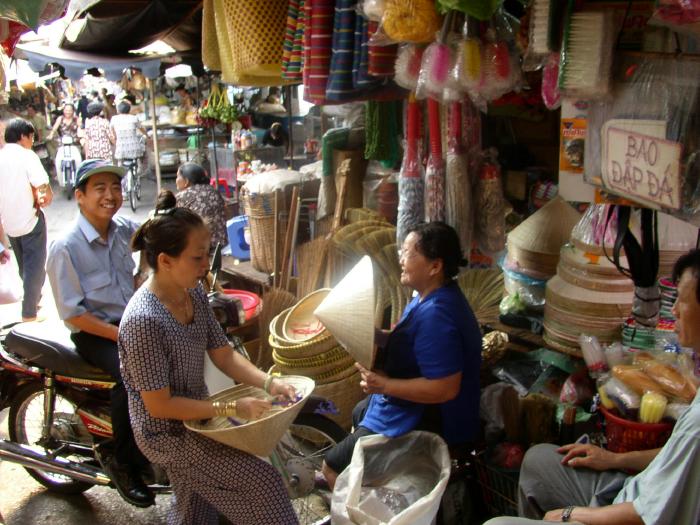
(604,399)
(652,407)
(471,56)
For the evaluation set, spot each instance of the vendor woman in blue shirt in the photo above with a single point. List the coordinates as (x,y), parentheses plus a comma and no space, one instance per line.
(430,375)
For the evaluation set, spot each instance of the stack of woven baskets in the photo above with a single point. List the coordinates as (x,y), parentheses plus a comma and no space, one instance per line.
(302,346)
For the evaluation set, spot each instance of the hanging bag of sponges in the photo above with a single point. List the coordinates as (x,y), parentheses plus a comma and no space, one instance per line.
(413,21)
(411,186)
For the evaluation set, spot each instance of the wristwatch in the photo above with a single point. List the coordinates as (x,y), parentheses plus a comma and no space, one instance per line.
(566,513)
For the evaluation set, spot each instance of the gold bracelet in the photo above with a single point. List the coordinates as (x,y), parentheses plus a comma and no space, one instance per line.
(224,408)
(268,383)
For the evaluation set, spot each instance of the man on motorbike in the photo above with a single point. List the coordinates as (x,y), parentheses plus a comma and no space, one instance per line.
(91,272)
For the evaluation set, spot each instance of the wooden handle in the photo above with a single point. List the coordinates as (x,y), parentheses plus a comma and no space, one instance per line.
(288,238)
(276,248)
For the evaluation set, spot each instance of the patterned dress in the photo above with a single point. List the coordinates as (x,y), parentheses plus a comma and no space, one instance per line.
(97,143)
(208,203)
(129,144)
(157,351)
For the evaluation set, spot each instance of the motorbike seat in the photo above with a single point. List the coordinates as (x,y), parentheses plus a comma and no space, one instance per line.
(48,345)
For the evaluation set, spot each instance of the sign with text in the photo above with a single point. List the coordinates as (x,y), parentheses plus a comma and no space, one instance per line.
(642,167)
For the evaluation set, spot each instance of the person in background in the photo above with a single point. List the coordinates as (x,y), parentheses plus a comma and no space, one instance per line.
(276,136)
(109,108)
(129,135)
(428,376)
(590,485)
(197,194)
(67,124)
(167,328)
(24,191)
(98,139)
(36,119)
(91,272)
(82,108)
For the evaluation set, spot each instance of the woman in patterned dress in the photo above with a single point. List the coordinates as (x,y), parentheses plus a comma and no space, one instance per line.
(196,194)
(128,132)
(166,329)
(98,135)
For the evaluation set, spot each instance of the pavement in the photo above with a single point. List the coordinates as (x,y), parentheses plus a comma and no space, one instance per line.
(23,501)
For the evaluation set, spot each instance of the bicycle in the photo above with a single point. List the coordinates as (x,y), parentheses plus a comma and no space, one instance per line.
(131,183)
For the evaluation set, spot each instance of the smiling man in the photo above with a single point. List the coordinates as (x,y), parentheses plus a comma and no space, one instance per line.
(586,484)
(91,272)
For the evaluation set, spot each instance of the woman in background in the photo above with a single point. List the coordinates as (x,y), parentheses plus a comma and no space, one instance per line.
(129,134)
(98,134)
(197,194)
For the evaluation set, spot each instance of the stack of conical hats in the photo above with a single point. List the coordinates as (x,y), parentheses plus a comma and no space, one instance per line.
(588,295)
(533,247)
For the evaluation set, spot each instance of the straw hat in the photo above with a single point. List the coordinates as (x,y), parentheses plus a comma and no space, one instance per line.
(348,312)
(546,230)
(300,324)
(258,437)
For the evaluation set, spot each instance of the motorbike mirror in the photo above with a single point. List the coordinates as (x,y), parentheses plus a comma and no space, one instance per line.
(215,264)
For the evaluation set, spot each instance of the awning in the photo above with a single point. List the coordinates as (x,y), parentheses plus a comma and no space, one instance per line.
(75,63)
(114,27)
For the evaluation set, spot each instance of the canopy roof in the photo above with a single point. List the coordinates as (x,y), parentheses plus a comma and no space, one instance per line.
(114,27)
(75,62)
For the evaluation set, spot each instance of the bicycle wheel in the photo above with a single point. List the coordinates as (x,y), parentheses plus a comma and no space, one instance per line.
(137,185)
(300,454)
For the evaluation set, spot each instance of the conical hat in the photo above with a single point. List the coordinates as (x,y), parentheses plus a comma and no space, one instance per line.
(546,230)
(348,312)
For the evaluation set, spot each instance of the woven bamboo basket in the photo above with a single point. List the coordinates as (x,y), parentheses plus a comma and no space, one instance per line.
(258,437)
(261,219)
(344,392)
(313,367)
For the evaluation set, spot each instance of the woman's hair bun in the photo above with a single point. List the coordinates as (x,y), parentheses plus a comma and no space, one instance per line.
(166,200)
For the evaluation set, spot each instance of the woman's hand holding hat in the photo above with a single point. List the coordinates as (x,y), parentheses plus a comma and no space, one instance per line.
(372,382)
(279,388)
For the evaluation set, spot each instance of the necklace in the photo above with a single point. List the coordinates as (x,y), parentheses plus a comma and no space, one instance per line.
(182,307)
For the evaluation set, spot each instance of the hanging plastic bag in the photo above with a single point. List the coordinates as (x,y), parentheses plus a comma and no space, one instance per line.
(682,16)
(489,203)
(407,67)
(437,62)
(413,21)
(467,67)
(10,284)
(392,481)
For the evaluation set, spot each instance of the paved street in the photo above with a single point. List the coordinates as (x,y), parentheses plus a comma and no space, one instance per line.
(22,500)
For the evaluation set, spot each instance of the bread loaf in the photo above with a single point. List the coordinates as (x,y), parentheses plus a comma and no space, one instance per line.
(672,382)
(635,378)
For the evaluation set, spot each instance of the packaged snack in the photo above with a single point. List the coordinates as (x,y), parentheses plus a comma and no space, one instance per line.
(624,398)
(672,382)
(593,355)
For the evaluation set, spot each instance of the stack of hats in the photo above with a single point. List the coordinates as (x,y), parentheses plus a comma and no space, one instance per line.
(301,345)
(533,250)
(676,237)
(588,295)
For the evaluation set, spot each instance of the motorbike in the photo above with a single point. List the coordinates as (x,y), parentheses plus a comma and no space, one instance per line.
(60,424)
(43,153)
(68,158)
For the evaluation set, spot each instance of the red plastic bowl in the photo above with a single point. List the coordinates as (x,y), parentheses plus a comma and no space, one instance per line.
(251,302)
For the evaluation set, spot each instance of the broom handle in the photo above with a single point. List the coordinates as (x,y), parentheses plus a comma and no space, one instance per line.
(292,249)
(288,236)
(276,249)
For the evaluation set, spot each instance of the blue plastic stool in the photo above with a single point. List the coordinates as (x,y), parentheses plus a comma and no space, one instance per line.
(236,237)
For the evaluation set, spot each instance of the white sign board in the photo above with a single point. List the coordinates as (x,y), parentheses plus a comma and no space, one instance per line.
(642,167)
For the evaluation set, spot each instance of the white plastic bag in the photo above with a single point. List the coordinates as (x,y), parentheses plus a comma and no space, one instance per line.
(10,284)
(392,481)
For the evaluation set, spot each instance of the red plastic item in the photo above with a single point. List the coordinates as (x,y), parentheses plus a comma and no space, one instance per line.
(251,302)
(626,436)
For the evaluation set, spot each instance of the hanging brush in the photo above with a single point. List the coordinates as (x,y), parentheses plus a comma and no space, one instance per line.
(468,64)
(586,54)
(458,187)
(543,33)
(435,170)
(411,186)
(436,63)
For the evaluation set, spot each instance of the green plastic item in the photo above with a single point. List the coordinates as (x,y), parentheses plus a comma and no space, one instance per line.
(25,12)
(479,9)
(193,142)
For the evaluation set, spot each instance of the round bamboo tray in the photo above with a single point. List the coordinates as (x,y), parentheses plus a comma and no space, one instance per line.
(594,264)
(587,302)
(584,279)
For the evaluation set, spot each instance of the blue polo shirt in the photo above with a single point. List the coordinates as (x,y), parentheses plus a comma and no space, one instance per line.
(436,337)
(88,274)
